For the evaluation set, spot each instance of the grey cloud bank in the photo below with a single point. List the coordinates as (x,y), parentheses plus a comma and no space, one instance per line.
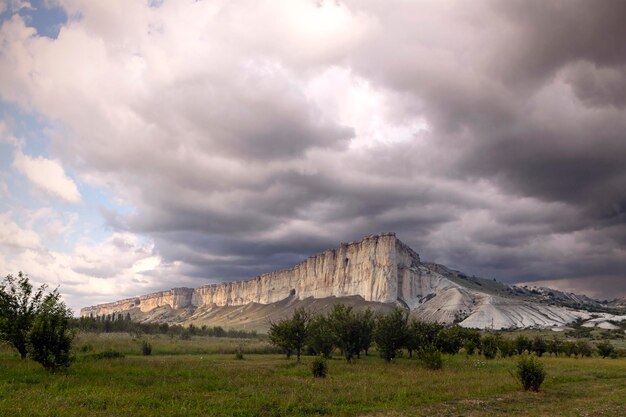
(491,136)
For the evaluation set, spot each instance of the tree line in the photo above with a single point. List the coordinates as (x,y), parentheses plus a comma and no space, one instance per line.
(122,323)
(353,333)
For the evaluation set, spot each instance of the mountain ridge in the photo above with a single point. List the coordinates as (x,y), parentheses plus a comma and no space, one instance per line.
(382,272)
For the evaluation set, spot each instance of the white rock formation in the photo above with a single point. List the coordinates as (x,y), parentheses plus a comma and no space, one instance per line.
(377,268)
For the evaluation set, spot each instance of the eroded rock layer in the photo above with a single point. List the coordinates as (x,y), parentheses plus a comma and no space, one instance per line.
(377,269)
(367,268)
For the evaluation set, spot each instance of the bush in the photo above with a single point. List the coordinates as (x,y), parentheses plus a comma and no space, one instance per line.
(109,354)
(146,348)
(530,373)
(86,348)
(319,367)
(239,353)
(431,357)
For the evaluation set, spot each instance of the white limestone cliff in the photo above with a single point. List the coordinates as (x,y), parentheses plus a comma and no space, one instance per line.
(378,268)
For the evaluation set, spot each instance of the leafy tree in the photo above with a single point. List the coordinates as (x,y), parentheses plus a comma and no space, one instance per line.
(489,345)
(584,348)
(471,341)
(506,347)
(19,306)
(280,336)
(321,339)
(390,333)
(523,344)
(299,330)
(449,340)
(346,330)
(291,334)
(569,348)
(539,346)
(605,349)
(555,346)
(365,323)
(414,338)
(50,341)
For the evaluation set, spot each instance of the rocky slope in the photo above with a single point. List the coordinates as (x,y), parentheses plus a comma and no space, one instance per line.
(378,272)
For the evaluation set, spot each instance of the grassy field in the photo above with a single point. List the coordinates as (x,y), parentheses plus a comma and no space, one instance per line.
(191,378)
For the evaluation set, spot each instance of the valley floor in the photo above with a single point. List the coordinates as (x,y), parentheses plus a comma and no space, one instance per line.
(173,382)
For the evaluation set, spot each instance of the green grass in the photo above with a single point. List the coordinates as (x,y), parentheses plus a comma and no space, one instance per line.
(174,383)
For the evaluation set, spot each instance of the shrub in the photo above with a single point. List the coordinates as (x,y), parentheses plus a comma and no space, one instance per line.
(86,348)
(146,348)
(431,357)
(319,367)
(109,354)
(530,373)
(239,353)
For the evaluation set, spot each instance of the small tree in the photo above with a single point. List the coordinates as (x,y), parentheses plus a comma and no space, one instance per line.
(321,340)
(449,340)
(390,333)
(605,349)
(299,330)
(291,334)
(489,346)
(346,330)
(414,338)
(280,336)
(18,307)
(539,346)
(506,347)
(50,341)
(523,344)
(555,346)
(365,323)
(584,348)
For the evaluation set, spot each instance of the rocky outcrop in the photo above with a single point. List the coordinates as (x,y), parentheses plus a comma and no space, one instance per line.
(368,268)
(378,269)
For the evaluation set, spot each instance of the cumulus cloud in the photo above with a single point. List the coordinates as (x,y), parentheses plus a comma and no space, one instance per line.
(248,135)
(47,176)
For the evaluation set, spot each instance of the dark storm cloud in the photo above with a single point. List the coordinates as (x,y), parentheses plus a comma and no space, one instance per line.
(240,153)
(525,96)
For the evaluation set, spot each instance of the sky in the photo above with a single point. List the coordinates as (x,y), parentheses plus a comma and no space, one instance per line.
(146,145)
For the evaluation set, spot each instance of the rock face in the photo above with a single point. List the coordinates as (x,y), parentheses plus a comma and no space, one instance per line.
(377,269)
(370,268)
